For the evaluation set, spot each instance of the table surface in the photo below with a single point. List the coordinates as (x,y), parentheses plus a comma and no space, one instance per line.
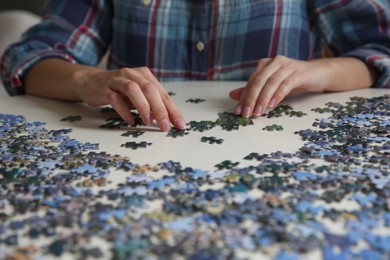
(236,145)
(189,150)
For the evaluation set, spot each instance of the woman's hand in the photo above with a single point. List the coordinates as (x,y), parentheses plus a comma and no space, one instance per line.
(126,89)
(123,89)
(275,78)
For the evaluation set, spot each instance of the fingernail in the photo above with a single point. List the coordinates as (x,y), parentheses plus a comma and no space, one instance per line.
(180,123)
(258,110)
(165,125)
(272,103)
(246,111)
(238,110)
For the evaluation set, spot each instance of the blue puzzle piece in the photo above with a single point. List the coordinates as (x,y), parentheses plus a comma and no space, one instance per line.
(85,168)
(301,176)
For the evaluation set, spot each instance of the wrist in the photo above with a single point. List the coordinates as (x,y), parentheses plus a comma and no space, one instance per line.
(347,73)
(82,76)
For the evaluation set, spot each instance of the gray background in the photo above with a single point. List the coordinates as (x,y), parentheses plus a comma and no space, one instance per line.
(34,6)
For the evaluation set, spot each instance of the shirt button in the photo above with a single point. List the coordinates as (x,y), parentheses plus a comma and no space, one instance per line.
(147,2)
(200,46)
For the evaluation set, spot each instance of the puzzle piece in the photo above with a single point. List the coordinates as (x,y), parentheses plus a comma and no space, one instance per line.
(227,164)
(321,110)
(284,109)
(85,168)
(176,132)
(72,118)
(273,127)
(229,121)
(114,122)
(256,156)
(105,110)
(133,133)
(136,145)
(211,140)
(195,100)
(201,126)
(300,176)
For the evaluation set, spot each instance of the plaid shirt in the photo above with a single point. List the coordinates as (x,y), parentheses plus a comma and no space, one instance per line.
(202,39)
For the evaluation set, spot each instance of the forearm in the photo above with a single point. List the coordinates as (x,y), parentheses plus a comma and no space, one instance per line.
(347,74)
(56,78)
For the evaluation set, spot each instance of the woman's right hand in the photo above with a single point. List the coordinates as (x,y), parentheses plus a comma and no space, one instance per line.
(124,89)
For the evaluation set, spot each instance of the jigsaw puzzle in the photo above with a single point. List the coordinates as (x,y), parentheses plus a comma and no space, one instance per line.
(57,198)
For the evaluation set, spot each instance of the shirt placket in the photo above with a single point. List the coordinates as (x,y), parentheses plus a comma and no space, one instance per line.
(201,39)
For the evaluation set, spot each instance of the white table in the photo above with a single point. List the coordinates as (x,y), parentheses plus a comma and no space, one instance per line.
(237,144)
(189,150)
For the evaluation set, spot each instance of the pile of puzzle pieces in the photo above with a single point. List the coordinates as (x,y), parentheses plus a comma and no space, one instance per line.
(61,197)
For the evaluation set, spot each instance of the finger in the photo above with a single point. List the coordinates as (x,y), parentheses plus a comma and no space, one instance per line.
(266,98)
(256,85)
(134,94)
(174,114)
(260,66)
(157,105)
(128,102)
(294,84)
(120,106)
(152,93)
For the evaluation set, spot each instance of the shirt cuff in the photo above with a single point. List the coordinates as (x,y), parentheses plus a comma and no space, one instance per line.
(377,59)
(13,79)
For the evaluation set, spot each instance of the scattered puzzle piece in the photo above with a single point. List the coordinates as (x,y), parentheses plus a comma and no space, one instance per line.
(136,145)
(229,121)
(211,140)
(227,164)
(133,133)
(195,100)
(201,126)
(281,110)
(114,122)
(273,127)
(107,110)
(57,190)
(322,110)
(175,132)
(72,118)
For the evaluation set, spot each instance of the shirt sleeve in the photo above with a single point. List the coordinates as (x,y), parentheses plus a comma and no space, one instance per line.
(360,29)
(78,31)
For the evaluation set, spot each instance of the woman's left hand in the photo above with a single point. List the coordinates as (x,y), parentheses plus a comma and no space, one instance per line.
(272,80)
(275,78)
